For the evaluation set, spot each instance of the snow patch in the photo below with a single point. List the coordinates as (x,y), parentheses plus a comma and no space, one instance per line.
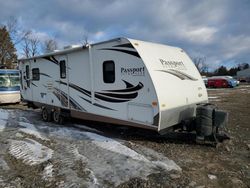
(84,159)
(114,146)
(117,147)
(3,165)
(86,128)
(48,172)
(3,119)
(214,98)
(92,175)
(78,156)
(107,160)
(167,165)
(212,177)
(23,119)
(31,129)
(4,114)
(158,159)
(2,125)
(30,151)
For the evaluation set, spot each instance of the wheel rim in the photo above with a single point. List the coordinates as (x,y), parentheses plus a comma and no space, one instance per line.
(45,115)
(56,116)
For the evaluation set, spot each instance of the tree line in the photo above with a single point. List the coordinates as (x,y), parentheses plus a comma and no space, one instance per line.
(12,36)
(203,68)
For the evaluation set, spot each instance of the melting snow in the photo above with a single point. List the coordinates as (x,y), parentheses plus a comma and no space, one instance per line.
(30,151)
(3,164)
(114,146)
(48,172)
(211,177)
(86,128)
(84,159)
(3,119)
(78,156)
(107,160)
(31,129)
(104,161)
(23,119)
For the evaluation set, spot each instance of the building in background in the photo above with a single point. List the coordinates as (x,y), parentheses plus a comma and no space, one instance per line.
(244,75)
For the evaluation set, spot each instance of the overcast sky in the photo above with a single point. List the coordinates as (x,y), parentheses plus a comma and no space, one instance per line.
(216,29)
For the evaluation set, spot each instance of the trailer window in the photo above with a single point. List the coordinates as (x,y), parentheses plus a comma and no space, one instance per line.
(63,69)
(109,71)
(27,68)
(35,74)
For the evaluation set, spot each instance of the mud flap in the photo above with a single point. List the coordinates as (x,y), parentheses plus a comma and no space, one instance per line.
(209,124)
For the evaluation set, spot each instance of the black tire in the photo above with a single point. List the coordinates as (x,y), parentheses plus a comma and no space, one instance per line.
(57,117)
(204,120)
(46,115)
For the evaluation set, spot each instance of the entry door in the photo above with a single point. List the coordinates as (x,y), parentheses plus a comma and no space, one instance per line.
(63,84)
(27,81)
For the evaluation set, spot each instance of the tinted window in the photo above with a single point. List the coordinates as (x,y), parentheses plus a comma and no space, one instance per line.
(63,69)
(35,74)
(109,71)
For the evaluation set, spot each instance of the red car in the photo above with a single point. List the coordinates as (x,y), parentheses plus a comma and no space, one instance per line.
(217,83)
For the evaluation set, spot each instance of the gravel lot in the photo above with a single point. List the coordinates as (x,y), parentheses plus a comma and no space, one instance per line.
(82,154)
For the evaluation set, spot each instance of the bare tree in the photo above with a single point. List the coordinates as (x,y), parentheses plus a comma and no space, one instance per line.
(34,43)
(17,34)
(200,64)
(26,48)
(30,46)
(49,45)
(85,41)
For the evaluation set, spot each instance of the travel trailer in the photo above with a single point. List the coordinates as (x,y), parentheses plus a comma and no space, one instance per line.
(120,81)
(9,86)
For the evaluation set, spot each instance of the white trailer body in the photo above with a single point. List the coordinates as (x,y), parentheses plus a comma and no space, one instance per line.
(121,81)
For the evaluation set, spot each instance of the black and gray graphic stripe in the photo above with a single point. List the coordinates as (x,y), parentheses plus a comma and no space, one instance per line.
(34,84)
(113,96)
(126,45)
(134,53)
(44,74)
(95,104)
(52,59)
(179,74)
(63,97)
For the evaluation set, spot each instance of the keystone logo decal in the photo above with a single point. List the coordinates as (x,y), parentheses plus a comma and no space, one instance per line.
(133,71)
(179,65)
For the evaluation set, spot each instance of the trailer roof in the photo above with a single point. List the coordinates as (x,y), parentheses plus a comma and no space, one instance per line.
(73,49)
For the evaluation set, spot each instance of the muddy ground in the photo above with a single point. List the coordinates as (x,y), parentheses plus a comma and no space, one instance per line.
(34,153)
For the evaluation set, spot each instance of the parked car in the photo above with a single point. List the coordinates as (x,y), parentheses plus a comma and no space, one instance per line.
(218,83)
(232,82)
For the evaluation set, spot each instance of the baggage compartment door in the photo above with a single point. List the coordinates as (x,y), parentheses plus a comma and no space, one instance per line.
(142,113)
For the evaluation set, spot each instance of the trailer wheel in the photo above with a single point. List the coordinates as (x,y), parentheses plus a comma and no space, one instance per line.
(46,115)
(57,117)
